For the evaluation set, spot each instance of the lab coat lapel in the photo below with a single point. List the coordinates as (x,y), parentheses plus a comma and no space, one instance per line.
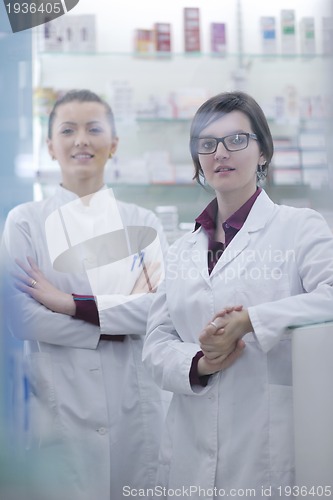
(198,248)
(237,245)
(260,213)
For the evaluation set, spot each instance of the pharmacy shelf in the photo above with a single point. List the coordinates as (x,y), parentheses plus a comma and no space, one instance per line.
(153,55)
(149,125)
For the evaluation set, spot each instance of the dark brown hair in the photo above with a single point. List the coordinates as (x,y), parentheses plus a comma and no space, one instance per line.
(221,104)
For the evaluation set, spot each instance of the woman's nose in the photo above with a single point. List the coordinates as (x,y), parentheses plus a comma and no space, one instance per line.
(81,139)
(221,151)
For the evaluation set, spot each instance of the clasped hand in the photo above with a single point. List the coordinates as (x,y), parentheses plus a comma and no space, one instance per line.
(221,341)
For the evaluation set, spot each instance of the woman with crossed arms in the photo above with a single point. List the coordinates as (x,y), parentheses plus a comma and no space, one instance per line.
(94,414)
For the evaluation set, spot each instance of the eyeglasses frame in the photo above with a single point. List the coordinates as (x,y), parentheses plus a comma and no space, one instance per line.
(222,139)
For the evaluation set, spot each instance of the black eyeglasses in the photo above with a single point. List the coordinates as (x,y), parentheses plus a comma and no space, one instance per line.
(234,142)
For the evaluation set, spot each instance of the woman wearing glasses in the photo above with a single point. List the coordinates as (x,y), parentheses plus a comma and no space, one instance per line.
(218,333)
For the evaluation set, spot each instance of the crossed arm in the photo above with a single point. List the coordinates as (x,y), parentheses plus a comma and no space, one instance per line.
(33,282)
(220,341)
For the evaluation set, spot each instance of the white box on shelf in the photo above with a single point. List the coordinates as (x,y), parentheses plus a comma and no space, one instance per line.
(288,31)
(80,33)
(311,141)
(160,169)
(314,158)
(188,101)
(287,176)
(121,96)
(288,158)
(184,173)
(316,178)
(70,33)
(296,202)
(50,36)
(268,34)
(313,107)
(168,215)
(284,142)
(327,35)
(308,40)
(133,172)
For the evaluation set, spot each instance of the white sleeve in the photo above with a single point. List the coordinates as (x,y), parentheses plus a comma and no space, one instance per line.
(167,358)
(314,261)
(26,318)
(124,314)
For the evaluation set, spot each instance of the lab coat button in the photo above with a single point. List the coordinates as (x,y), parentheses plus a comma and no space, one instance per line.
(90,261)
(102,431)
(212,398)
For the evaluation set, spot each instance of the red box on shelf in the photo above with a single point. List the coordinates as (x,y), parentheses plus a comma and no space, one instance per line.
(162,33)
(192,29)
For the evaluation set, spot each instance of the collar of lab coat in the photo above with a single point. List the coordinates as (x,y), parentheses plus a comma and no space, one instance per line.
(65,195)
(81,226)
(260,213)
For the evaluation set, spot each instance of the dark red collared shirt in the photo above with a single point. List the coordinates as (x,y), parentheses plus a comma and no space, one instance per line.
(207,220)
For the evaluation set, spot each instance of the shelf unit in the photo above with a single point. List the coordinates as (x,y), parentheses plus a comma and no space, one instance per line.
(286,86)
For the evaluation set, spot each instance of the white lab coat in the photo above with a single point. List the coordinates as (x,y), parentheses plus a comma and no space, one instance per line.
(93,409)
(237,432)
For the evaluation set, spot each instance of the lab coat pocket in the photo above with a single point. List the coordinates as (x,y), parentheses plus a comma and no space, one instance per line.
(43,412)
(281,428)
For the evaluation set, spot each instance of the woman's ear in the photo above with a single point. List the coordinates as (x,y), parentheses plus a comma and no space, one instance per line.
(262,160)
(50,148)
(114,146)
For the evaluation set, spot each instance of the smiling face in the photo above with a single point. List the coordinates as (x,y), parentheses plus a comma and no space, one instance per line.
(231,171)
(81,142)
